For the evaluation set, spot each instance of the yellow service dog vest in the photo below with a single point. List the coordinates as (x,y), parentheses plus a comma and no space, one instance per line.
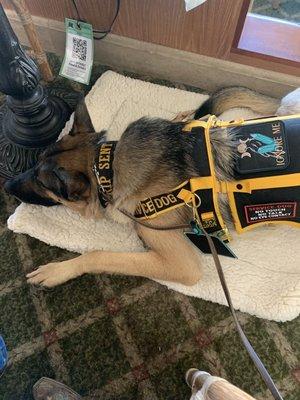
(266,185)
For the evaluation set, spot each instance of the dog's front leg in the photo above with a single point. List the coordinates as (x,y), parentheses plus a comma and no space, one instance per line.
(55,273)
(171,258)
(146,264)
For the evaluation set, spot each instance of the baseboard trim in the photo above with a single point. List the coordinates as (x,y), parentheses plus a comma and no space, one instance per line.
(164,62)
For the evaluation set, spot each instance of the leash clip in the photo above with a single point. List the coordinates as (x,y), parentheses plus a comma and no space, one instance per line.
(194,204)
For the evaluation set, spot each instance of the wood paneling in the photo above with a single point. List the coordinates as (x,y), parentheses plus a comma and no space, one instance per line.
(212,29)
(264,62)
(208,29)
(97,12)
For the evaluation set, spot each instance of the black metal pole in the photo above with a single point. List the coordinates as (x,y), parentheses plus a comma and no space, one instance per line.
(30,119)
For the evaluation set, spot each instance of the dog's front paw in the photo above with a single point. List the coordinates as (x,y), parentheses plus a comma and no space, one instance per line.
(53,274)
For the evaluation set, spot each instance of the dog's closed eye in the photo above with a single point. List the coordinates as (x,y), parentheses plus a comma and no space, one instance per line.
(68,185)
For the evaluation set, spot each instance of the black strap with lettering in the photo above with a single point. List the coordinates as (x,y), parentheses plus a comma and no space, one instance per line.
(152,206)
(103,169)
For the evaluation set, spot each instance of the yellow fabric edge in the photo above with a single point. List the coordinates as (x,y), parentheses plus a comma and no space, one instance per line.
(268,182)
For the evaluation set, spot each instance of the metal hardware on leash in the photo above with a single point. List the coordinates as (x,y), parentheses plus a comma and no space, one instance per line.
(223,234)
(96,172)
(195,209)
(101,189)
(191,201)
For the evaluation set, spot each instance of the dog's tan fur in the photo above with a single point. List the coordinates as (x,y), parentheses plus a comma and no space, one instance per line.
(169,256)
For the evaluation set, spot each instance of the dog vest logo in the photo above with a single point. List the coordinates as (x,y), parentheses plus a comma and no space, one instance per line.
(261,147)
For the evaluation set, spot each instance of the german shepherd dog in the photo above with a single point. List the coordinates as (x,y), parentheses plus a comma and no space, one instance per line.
(153,156)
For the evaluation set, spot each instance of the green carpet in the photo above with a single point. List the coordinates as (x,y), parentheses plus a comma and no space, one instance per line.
(112,337)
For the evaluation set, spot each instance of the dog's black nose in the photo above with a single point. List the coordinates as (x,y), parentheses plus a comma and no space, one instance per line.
(25,189)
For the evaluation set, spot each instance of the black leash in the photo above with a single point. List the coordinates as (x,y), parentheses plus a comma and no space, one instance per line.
(252,353)
(250,350)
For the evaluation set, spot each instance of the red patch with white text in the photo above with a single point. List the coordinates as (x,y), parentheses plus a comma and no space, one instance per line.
(270,212)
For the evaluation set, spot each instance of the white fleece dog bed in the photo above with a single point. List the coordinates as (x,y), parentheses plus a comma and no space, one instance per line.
(264,281)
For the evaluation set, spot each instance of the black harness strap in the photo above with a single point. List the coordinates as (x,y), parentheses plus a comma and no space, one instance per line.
(156,205)
(103,169)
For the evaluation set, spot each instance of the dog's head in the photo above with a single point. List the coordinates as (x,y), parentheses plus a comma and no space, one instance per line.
(63,174)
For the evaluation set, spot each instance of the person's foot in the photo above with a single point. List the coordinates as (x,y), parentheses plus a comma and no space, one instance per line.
(195,379)
(48,389)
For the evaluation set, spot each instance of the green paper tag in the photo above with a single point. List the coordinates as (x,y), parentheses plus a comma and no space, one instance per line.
(78,59)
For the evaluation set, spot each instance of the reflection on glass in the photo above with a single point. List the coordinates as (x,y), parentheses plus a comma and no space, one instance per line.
(288,10)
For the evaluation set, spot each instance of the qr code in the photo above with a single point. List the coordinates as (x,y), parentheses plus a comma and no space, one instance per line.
(79,48)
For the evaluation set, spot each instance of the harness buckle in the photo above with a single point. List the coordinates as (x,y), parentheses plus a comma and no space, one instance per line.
(100,186)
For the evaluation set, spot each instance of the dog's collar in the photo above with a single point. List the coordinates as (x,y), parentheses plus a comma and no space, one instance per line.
(103,170)
(267,193)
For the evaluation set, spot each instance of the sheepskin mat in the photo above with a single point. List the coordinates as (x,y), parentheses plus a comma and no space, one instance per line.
(263,281)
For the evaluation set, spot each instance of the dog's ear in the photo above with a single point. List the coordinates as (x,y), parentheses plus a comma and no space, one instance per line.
(82,121)
(70,185)
(66,143)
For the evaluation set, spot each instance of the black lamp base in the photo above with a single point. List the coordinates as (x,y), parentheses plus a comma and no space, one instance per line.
(30,119)
(21,144)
